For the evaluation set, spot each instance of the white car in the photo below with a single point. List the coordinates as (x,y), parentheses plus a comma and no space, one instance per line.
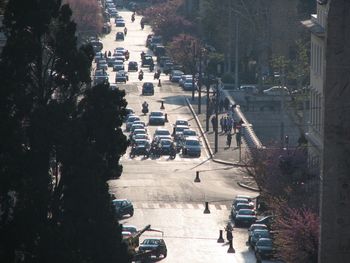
(191,147)
(276,91)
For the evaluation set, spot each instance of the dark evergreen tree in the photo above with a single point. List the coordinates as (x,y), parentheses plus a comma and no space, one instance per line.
(60,143)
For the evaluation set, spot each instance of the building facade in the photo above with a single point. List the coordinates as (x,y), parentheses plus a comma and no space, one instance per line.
(317,27)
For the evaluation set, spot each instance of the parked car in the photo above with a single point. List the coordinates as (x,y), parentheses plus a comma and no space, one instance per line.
(183,78)
(191,147)
(249,89)
(132,66)
(147,88)
(157,246)
(123,207)
(245,217)
(175,75)
(189,85)
(263,248)
(240,206)
(119,36)
(276,91)
(266,220)
(257,234)
(156,118)
(254,227)
(168,67)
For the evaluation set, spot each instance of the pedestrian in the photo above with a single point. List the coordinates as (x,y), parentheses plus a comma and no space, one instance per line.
(106,54)
(225,124)
(234,125)
(229,139)
(221,105)
(109,53)
(213,122)
(229,125)
(229,230)
(238,139)
(222,124)
(226,103)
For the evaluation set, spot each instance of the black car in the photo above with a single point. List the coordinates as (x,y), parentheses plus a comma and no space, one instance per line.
(147,60)
(245,217)
(157,247)
(123,207)
(148,88)
(263,248)
(132,66)
(119,36)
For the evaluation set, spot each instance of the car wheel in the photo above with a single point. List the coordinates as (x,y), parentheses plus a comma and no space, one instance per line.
(132,213)
(165,254)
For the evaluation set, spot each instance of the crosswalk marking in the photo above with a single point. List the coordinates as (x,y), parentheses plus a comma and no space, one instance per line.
(184,206)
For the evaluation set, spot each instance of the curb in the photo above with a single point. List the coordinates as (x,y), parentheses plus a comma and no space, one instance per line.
(248,187)
(206,140)
(200,128)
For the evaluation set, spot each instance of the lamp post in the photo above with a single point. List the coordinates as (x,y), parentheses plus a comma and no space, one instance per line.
(193,67)
(216,117)
(200,81)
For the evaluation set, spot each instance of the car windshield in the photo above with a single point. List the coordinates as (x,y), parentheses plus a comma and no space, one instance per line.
(165,142)
(151,242)
(189,133)
(133,118)
(180,129)
(162,132)
(181,122)
(192,143)
(245,212)
(140,136)
(261,233)
(130,229)
(141,142)
(156,113)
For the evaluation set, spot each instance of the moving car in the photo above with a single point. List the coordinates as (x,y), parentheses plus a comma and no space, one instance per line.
(121,76)
(147,88)
(119,36)
(118,65)
(245,217)
(132,66)
(123,207)
(130,121)
(147,60)
(181,122)
(140,147)
(102,64)
(120,22)
(189,85)
(165,146)
(179,129)
(156,245)
(191,147)
(156,118)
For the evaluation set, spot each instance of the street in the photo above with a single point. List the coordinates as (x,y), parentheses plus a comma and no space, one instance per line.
(162,190)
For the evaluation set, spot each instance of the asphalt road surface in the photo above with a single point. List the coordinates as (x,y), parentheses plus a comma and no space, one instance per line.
(162,190)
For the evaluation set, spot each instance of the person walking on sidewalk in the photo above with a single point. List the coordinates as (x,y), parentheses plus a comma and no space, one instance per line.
(213,123)
(222,124)
(229,139)
(238,139)
(226,104)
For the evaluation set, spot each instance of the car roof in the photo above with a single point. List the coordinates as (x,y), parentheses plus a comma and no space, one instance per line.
(161,129)
(192,138)
(158,112)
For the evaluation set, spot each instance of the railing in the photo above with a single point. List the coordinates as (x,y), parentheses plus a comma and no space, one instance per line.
(248,133)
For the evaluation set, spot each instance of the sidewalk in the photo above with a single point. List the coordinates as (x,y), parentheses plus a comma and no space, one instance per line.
(224,155)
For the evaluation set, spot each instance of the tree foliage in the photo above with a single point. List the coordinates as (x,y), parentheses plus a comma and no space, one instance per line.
(87,14)
(60,143)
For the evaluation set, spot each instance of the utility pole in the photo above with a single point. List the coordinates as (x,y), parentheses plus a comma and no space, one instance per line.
(236,53)
(229,67)
(216,117)
(207,115)
(193,68)
(200,81)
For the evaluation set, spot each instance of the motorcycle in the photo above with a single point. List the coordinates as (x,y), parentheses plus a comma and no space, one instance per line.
(154,151)
(144,109)
(132,18)
(127,56)
(156,75)
(172,153)
(140,76)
